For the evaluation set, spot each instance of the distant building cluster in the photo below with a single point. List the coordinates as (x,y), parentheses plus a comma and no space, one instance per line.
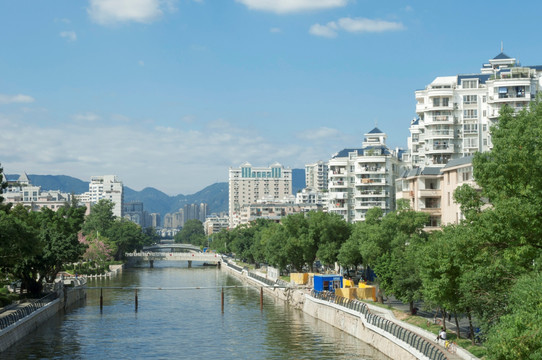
(21,191)
(177,219)
(454,116)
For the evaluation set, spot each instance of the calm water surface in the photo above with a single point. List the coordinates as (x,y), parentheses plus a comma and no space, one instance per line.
(185,324)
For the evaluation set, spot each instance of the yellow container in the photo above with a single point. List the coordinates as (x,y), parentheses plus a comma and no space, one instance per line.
(299,278)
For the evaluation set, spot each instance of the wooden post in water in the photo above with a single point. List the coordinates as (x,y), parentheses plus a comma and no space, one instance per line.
(136,304)
(222,300)
(101,300)
(261,298)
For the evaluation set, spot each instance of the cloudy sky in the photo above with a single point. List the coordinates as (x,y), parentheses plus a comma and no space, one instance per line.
(171,93)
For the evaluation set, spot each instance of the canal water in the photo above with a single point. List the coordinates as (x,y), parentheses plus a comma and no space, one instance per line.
(178,323)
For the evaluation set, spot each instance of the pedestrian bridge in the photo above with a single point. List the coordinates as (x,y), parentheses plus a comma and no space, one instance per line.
(151,257)
(171,247)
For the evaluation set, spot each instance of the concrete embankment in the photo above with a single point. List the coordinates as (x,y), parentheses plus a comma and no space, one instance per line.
(348,321)
(67,296)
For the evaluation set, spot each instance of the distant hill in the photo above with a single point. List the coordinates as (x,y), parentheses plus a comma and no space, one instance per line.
(155,201)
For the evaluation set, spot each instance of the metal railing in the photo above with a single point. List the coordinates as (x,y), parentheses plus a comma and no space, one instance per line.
(234,267)
(416,341)
(262,279)
(15,316)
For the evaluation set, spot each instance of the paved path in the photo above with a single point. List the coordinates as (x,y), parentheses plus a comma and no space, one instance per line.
(450,326)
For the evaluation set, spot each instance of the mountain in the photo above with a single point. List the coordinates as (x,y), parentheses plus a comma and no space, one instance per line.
(155,201)
(298,180)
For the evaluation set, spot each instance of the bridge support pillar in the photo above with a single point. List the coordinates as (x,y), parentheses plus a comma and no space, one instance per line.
(152,263)
(189,263)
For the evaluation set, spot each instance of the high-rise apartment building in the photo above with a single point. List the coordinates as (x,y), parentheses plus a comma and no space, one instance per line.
(455,113)
(316,176)
(107,187)
(248,184)
(360,179)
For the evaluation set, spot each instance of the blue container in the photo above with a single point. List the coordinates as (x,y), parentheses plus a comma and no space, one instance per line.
(327,282)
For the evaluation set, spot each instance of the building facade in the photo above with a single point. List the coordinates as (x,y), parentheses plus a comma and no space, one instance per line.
(23,192)
(107,187)
(455,113)
(316,176)
(360,179)
(248,184)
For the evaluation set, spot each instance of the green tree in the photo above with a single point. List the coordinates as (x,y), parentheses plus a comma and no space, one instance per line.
(392,245)
(192,233)
(123,237)
(518,333)
(100,219)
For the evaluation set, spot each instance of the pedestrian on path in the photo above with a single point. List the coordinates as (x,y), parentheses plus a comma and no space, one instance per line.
(441,334)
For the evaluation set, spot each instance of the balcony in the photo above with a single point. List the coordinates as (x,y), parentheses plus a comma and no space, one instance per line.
(371,204)
(369,193)
(440,134)
(429,193)
(444,148)
(341,172)
(372,169)
(338,184)
(369,182)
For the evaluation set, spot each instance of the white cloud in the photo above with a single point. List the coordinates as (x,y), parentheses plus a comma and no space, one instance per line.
(360,25)
(173,158)
(290,6)
(69,35)
(86,117)
(11,99)
(274,30)
(323,133)
(141,63)
(354,25)
(107,12)
(329,30)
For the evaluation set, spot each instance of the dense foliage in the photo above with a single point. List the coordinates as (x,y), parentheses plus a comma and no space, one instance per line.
(36,245)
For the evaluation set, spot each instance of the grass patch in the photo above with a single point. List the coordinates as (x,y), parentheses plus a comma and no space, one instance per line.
(285,278)
(421,322)
(6,297)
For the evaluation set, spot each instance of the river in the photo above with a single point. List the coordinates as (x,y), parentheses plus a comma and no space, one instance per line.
(176,321)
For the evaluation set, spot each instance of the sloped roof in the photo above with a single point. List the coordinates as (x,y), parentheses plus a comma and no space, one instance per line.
(375,131)
(482,78)
(458,162)
(501,56)
(431,171)
(345,152)
(23,178)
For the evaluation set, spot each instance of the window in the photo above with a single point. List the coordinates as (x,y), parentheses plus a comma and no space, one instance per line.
(469,84)
(470,114)
(470,142)
(470,128)
(470,99)
(484,98)
(445,101)
(484,127)
(465,174)
(436,101)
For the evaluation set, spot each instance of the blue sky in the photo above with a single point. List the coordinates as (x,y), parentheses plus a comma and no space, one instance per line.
(171,93)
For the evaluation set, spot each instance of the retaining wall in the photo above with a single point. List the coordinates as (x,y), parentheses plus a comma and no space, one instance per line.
(349,322)
(24,327)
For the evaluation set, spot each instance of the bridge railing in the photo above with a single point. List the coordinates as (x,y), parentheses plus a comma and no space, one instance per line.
(424,346)
(15,316)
